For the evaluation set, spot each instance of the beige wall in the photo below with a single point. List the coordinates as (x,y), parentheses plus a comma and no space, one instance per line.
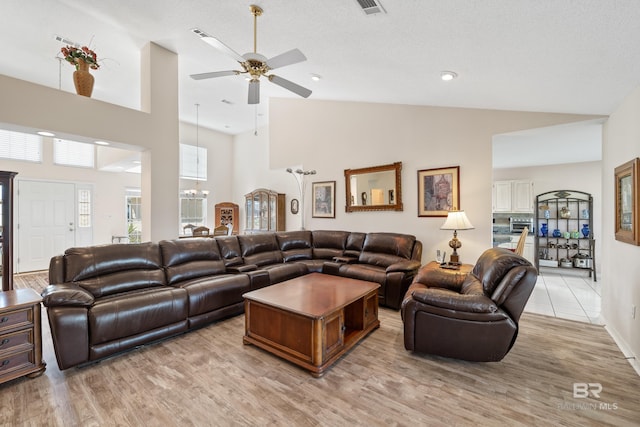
(332,136)
(620,260)
(31,106)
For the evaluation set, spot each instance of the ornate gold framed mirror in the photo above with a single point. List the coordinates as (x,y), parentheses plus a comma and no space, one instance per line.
(376,188)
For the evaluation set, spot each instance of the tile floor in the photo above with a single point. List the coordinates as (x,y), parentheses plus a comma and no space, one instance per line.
(567,294)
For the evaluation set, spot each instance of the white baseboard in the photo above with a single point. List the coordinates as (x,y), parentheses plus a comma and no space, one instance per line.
(624,347)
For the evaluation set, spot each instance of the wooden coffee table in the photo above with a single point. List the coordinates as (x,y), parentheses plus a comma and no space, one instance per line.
(311,320)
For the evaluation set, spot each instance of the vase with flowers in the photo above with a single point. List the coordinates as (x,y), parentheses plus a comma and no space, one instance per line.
(83,59)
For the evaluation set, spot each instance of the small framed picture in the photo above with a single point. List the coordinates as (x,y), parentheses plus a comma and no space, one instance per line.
(295,206)
(438,191)
(627,205)
(324,199)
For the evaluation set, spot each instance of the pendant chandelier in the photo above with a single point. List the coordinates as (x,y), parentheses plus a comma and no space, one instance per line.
(196,193)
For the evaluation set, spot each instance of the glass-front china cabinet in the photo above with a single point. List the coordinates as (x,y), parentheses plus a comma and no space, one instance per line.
(265,211)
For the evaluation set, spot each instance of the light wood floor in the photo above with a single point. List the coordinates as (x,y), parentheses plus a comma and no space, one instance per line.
(208,377)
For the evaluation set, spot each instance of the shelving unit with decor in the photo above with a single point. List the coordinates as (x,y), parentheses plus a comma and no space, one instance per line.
(565,231)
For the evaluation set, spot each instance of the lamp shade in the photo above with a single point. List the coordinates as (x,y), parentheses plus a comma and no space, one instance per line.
(457,220)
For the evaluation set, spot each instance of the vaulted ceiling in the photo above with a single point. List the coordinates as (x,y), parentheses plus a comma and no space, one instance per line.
(544,55)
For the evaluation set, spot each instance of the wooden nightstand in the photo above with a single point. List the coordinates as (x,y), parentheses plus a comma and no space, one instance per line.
(20,335)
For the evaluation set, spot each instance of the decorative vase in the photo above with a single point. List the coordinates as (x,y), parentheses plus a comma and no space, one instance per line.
(83,79)
(544,230)
(557,233)
(547,214)
(575,234)
(585,230)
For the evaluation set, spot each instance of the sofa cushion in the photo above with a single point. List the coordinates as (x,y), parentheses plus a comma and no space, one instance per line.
(328,243)
(260,249)
(281,272)
(355,241)
(493,265)
(206,294)
(230,250)
(190,258)
(122,281)
(295,245)
(128,314)
(384,249)
(366,272)
(92,261)
(111,269)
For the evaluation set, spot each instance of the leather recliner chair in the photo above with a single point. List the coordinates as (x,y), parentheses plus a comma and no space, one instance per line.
(468,316)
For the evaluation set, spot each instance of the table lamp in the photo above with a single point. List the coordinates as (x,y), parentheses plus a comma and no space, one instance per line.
(456,220)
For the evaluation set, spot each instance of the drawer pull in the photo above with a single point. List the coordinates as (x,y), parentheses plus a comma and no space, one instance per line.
(4,341)
(4,319)
(5,362)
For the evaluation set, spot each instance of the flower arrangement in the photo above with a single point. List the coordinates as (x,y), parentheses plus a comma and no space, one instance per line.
(74,54)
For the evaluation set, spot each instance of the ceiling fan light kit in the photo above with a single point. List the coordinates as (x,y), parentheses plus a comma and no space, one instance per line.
(254,64)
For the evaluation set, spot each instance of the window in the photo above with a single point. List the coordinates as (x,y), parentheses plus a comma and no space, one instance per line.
(84,208)
(72,153)
(134,216)
(193,162)
(20,146)
(192,212)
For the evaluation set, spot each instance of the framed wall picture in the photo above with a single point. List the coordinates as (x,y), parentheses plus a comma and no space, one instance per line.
(324,199)
(438,191)
(295,206)
(627,227)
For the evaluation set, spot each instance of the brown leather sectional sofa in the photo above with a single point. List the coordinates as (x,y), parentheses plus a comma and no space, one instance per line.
(106,299)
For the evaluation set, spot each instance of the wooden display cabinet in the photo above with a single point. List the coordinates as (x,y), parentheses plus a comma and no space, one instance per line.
(225,213)
(265,211)
(6,229)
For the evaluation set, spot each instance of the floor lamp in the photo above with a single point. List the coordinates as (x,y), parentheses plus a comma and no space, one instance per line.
(299,176)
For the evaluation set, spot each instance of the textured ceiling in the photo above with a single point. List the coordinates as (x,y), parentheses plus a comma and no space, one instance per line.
(565,56)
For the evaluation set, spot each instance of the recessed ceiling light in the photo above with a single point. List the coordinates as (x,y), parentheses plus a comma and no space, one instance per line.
(43,133)
(316,77)
(101,143)
(447,76)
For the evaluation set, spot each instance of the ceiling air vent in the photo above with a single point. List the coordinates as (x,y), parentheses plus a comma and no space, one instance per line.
(371,7)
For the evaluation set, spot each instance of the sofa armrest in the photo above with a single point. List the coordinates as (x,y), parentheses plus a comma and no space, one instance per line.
(66,294)
(244,268)
(445,298)
(408,265)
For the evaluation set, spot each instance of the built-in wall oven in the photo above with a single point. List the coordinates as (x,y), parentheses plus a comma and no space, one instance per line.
(516,225)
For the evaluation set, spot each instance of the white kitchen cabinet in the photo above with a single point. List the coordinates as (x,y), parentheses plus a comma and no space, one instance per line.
(513,196)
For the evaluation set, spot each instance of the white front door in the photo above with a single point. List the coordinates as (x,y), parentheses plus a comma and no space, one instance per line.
(45,222)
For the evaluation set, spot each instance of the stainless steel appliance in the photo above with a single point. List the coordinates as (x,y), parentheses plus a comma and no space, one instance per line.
(516,225)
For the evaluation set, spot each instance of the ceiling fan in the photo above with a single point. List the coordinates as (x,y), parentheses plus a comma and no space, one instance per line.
(254,64)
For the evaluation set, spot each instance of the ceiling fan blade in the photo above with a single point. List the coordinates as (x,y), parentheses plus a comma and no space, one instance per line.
(289,85)
(254,91)
(203,76)
(218,45)
(291,57)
